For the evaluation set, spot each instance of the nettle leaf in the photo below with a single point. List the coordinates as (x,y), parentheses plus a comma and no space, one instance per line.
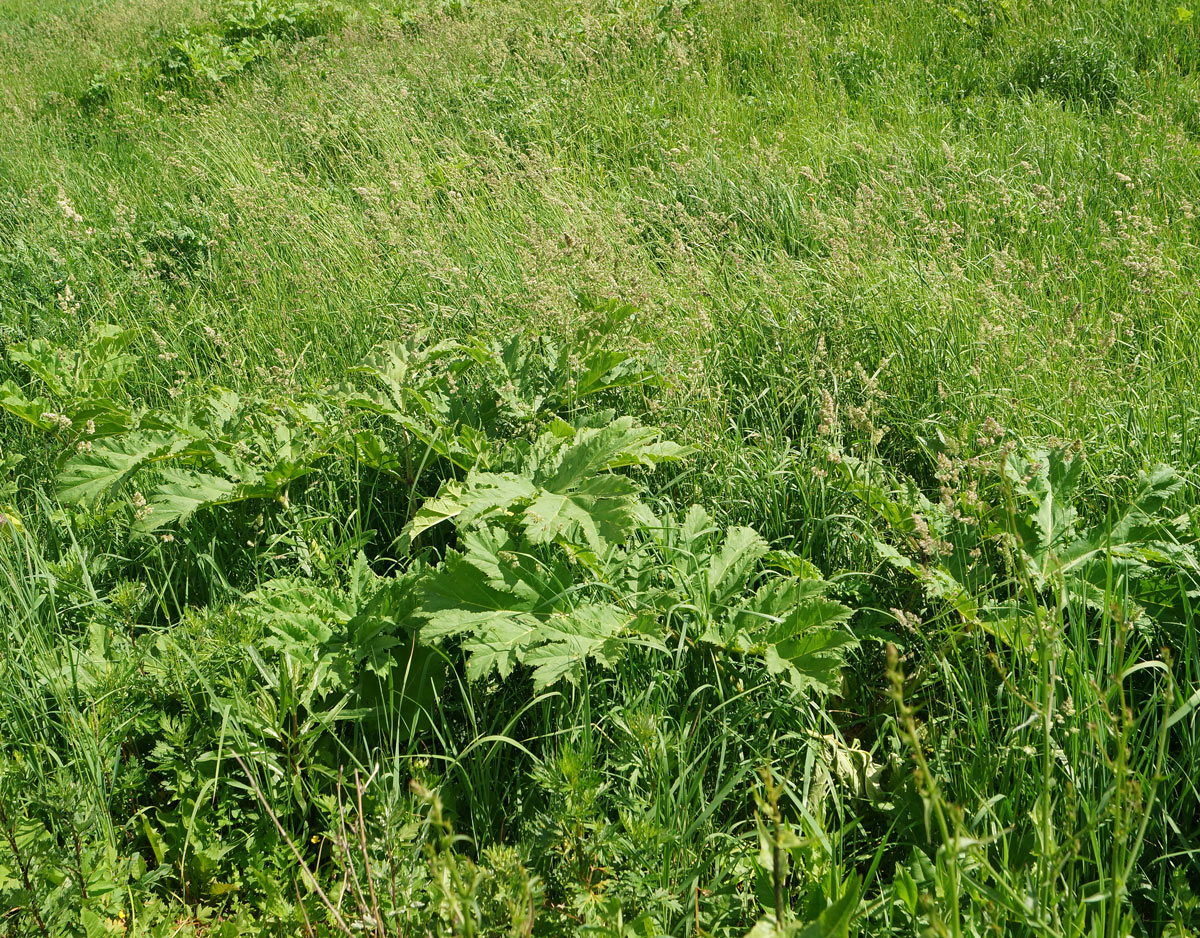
(111,463)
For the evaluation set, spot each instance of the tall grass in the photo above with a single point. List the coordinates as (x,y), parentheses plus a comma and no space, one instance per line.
(875,251)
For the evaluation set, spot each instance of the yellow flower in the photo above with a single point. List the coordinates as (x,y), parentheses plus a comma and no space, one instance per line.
(314,838)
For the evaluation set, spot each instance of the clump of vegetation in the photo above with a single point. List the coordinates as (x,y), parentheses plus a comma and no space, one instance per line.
(1076,69)
(859,63)
(537,571)
(205,56)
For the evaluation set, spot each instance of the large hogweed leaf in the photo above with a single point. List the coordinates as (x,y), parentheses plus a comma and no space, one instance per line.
(788,622)
(514,596)
(534,381)
(91,371)
(708,569)
(510,606)
(564,487)
(598,511)
(111,463)
(1043,484)
(176,461)
(224,451)
(452,396)
(592,450)
(479,496)
(479,406)
(76,389)
(975,555)
(799,632)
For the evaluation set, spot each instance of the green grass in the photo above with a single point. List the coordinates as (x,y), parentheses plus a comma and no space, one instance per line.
(878,253)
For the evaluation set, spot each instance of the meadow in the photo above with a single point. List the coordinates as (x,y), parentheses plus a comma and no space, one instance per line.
(606,467)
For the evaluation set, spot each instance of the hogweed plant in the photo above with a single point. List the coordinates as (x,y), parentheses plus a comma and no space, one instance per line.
(539,559)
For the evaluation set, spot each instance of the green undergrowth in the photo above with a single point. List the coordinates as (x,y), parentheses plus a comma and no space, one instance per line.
(364,571)
(427,649)
(203,57)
